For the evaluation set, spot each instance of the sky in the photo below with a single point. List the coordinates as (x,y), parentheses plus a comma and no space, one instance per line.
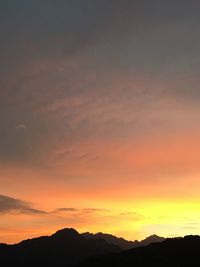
(99,117)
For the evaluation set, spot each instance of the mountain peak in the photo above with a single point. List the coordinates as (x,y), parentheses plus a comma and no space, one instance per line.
(152,239)
(66,247)
(66,232)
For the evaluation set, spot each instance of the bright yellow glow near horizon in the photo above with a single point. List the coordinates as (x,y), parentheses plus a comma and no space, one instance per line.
(136,221)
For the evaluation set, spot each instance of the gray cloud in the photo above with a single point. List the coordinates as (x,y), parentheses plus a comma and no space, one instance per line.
(17,206)
(79,211)
(21,127)
(65,210)
(91,54)
(13,205)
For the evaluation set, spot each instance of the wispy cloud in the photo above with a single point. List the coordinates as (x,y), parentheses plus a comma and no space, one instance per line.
(13,205)
(10,205)
(77,211)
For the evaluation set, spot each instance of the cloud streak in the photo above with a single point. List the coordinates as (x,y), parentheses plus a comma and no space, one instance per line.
(10,205)
(13,205)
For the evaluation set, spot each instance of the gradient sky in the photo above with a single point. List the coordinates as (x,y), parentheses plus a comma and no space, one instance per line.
(99,117)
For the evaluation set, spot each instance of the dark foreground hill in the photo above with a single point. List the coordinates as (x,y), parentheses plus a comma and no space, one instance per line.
(177,252)
(64,248)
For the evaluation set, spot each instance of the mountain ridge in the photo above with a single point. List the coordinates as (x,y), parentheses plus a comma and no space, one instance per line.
(123,243)
(66,247)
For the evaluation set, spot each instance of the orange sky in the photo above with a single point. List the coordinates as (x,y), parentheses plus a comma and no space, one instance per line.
(129,192)
(99,114)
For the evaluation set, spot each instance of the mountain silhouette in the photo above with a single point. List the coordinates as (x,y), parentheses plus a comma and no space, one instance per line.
(64,248)
(121,242)
(151,239)
(111,239)
(181,252)
(68,248)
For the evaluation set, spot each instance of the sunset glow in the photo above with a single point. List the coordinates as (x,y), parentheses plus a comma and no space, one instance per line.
(99,113)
